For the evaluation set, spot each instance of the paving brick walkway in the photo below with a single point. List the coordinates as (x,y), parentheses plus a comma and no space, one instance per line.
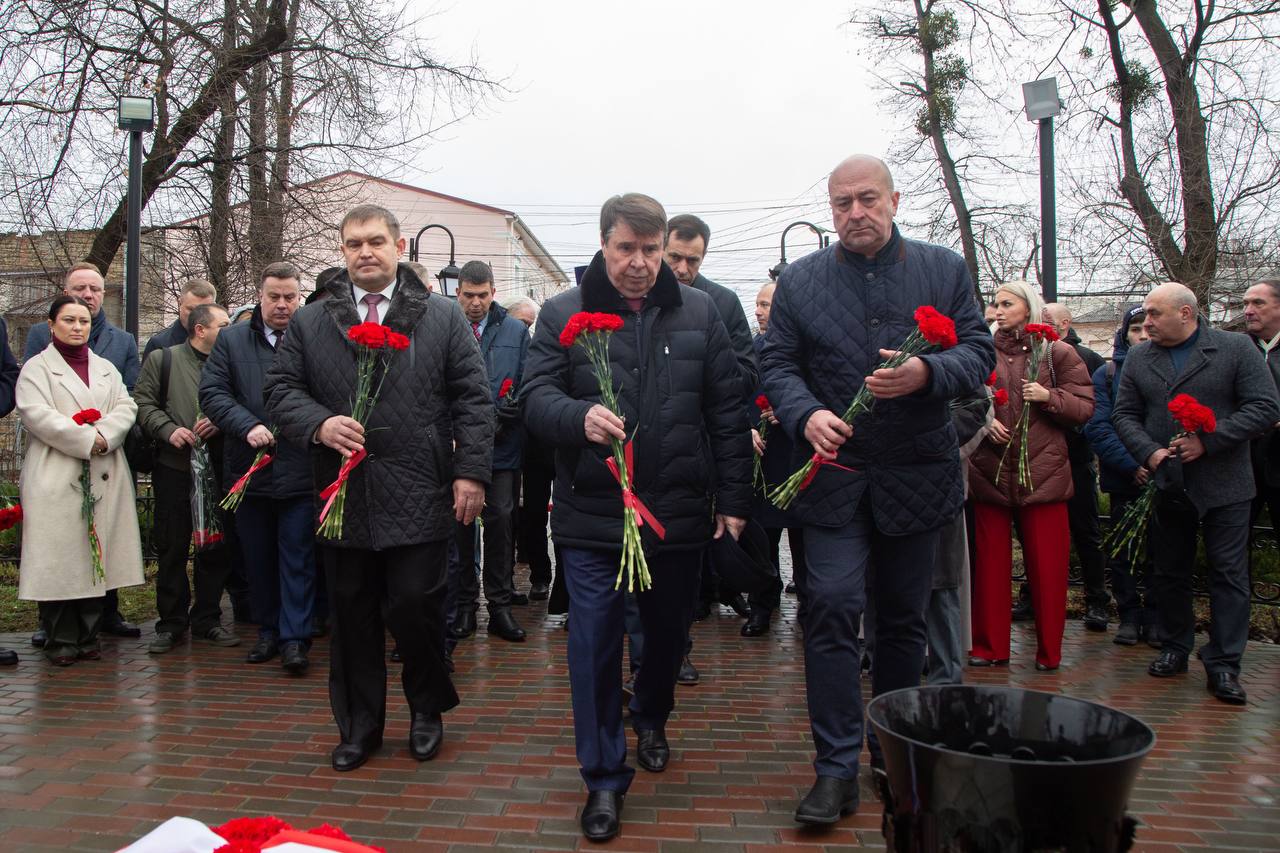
(97,754)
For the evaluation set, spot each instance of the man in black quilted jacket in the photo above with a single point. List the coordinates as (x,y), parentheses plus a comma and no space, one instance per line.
(837,314)
(682,408)
(429,440)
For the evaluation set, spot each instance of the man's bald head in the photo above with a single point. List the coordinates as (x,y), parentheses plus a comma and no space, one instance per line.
(863,204)
(1171,314)
(1059,316)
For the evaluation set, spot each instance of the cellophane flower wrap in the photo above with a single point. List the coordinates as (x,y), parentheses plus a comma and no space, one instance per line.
(934,330)
(206,524)
(757,464)
(89,417)
(1128,535)
(249,834)
(261,460)
(375,346)
(1040,337)
(591,331)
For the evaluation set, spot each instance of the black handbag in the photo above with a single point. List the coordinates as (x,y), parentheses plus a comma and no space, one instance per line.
(140,448)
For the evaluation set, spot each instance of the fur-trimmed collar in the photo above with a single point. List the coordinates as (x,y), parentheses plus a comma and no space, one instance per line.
(599,294)
(407,306)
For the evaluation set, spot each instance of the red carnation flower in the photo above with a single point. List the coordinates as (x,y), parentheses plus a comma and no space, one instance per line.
(762,403)
(87,416)
(1192,415)
(10,516)
(397,341)
(325,830)
(1001,397)
(588,321)
(935,327)
(1043,331)
(371,335)
(991,380)
(507,384)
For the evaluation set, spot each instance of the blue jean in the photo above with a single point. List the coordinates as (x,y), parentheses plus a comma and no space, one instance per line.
(595,654)
(836,590)
(276,537)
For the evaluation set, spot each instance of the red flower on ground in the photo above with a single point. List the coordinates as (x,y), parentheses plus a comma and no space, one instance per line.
(1001,397)
(507,385)
(1043,331)
(251,830)
(87,416)
(936,328)
(1191,414)
(762,403)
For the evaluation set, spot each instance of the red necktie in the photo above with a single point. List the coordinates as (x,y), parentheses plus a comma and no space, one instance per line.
(475,329)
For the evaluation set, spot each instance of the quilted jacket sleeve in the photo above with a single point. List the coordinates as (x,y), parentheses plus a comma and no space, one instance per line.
(289,403)
(470,402)
(780,362)
(729,431)
(549,412)
(961,369)
(1101,433)
(217,392)
(1071,397)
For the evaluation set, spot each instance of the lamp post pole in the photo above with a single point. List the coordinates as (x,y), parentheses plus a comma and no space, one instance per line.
(137,116)
(1048,214)
(448,277)
(782,262)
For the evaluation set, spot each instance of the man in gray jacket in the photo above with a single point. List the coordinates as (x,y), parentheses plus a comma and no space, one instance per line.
(1204,479)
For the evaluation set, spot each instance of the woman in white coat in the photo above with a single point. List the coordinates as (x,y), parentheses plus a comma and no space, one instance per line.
(57,564)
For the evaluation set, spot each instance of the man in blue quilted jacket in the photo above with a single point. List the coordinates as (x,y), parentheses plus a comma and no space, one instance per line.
(837,314)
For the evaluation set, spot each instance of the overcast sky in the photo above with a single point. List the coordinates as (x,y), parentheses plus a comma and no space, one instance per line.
(733,111)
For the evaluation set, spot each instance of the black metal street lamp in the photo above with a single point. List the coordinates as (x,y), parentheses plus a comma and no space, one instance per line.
(136,115)
(782,263)
(450,275)
(1042,103)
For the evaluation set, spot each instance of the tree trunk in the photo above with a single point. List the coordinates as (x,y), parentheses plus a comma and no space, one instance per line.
(224,151)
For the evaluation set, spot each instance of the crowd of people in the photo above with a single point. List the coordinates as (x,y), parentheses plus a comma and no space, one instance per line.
(901,539)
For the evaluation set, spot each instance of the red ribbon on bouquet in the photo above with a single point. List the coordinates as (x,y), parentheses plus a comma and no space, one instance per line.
(629,499)
(253,469)
(818,461)
(330,491)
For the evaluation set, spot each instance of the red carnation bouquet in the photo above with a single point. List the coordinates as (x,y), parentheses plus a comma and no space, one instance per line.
(757,468)
(1041,337)
(235,494)
(10,515)
(375,345)
(252,834)
(933,329)
(591,331)
(89,417)
(1129,534)
(206,524)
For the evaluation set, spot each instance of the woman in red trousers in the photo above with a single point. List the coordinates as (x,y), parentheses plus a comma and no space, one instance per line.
(1061,399)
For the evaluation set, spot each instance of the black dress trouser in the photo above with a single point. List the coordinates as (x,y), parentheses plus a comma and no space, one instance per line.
(409,583)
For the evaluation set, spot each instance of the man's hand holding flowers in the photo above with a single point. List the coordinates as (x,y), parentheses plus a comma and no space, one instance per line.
(889,382)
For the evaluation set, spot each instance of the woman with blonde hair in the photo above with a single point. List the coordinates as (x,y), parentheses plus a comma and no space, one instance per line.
(66,455)
(1060,398)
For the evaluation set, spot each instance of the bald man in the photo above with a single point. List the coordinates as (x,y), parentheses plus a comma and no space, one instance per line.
(1204,480)
(837,313)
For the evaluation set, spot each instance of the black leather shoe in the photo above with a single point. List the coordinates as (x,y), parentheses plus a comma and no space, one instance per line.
(1155,637)
(757,624)
(1096,617)
(1126,635)
(1168,664)
(1023,611)
(977,661)
(294,658)
(688,674)
(790,588)
(828,800)
(600,817)
(349,756)
(503,624)
(464,625)
(1044,667)
(426,733)
(264,650)
(1226,687)
(8,657)
(39,638)
(652,751)
(539,592)
(737,604)
(395,655)
(121,628)
(519,599)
